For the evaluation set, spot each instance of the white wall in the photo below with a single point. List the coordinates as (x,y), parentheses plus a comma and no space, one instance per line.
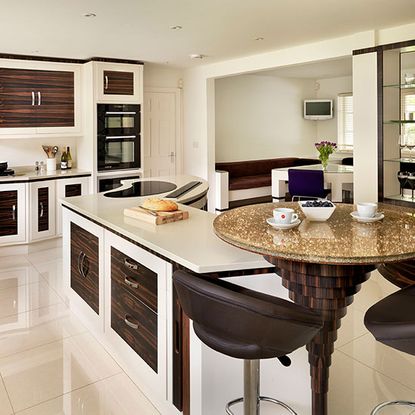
(329,89)
(25,151)
(161,76)
(260,117)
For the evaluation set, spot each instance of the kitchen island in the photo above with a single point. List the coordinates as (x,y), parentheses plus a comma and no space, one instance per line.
(117,277)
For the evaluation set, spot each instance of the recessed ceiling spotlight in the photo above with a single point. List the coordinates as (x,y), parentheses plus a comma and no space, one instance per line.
(176,27)
(90,14)
(259,38)
(197,56)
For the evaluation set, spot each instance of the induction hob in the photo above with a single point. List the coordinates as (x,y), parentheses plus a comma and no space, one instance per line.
(145,188)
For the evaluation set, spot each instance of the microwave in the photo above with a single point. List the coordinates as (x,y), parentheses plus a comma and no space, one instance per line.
(118,136)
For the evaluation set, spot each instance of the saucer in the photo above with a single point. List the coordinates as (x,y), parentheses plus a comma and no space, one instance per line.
(271,221)
(378,216)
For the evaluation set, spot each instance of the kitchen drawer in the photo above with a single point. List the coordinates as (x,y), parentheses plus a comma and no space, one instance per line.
(84,265)
(135,323)
(137,279)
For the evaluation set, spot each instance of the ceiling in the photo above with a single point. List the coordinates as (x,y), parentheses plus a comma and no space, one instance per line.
(220,29)
(333,68)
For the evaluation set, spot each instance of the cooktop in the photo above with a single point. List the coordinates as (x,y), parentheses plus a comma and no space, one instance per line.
(145,188)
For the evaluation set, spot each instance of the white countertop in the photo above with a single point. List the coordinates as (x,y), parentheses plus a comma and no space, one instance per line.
(26,174)
(191,243)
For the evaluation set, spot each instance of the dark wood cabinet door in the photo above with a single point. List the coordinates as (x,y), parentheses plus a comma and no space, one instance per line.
(36,98)
(118,83)
(8,213)
(73,190)
(55,102)
(17,98)
(135,323)
(85,265)
(137,279)
(42,209)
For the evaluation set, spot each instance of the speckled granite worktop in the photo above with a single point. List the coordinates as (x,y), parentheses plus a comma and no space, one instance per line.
(339,240)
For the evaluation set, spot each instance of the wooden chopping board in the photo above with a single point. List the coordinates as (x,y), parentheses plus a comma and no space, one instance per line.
(160,219)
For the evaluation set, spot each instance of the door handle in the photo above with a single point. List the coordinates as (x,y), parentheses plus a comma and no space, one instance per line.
(41,209)
(130,282)
(130,265)
(14,212)
(39,98)
(106,82)
(172,156)
(81,259)
(33,98)
(130,323)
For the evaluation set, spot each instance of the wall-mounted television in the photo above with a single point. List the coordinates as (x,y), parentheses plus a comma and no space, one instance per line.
(318,109)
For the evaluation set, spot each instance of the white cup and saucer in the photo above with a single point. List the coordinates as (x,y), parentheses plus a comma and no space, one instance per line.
(284,218)
(367,212)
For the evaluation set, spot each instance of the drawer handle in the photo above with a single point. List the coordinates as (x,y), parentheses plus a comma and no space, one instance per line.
(130,282)
(130,265)
(81,259)
(14,212)
(41,209)
(106,82)
(130,323)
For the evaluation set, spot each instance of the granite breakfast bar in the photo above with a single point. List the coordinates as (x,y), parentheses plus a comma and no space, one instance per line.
(322,264)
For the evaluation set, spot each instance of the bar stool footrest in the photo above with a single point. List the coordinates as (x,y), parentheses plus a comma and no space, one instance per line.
(261,398)
(390,403)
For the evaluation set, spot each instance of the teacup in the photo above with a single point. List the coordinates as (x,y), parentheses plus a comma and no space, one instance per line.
(284,215)
(367,210)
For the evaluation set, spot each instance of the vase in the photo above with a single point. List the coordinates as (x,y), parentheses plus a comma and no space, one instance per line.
(324,162)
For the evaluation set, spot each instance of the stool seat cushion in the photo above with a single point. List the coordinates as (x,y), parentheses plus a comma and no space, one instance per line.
(392,320)
(243,323)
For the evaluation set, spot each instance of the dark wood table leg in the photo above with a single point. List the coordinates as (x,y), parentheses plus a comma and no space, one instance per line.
(328,289)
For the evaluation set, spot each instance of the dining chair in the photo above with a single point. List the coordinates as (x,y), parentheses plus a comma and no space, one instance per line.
(246,324)
(391,322)
(306,184)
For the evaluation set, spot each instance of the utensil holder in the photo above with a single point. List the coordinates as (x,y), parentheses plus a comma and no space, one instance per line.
(51,164)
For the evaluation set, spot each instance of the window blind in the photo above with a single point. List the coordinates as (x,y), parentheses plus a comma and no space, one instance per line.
(345,121)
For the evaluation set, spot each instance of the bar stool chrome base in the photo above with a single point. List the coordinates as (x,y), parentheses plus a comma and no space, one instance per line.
(252,399)
(390,403)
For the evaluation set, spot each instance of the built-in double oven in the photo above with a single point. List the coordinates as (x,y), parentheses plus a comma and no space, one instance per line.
(118,129)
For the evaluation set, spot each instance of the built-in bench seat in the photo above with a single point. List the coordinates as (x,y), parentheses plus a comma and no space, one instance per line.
(244,180)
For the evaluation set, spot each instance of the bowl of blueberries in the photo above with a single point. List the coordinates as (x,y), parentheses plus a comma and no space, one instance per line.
(317,210)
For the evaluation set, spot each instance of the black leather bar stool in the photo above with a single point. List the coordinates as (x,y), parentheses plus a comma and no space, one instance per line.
(392,322)
(245,324)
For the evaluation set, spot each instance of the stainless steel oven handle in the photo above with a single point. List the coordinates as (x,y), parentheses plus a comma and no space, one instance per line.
(121,113)
(118,137)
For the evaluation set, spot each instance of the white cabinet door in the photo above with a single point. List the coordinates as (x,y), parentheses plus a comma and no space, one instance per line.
(74,186)
(118,83)
(42,209)
(13,213)
(127,277)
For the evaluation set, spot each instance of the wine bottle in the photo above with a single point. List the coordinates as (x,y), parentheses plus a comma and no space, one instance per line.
(69,157)
(64,160)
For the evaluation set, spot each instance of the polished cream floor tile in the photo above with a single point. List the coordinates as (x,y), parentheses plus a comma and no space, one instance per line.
(356,389)
(19,299)
(46,255)
(52,273)
(352,327)
(384,359)
(18,275)
(48,371)
(44,325)
(5,407)
(116,395)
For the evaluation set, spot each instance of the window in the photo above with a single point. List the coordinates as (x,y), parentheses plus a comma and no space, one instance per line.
(345,121)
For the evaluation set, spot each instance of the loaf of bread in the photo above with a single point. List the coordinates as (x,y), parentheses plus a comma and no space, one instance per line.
(160,205)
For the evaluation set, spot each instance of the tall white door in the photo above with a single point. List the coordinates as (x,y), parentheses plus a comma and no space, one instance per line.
(161,132)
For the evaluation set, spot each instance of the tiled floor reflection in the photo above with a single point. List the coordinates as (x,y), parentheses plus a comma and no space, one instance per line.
(51,365)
